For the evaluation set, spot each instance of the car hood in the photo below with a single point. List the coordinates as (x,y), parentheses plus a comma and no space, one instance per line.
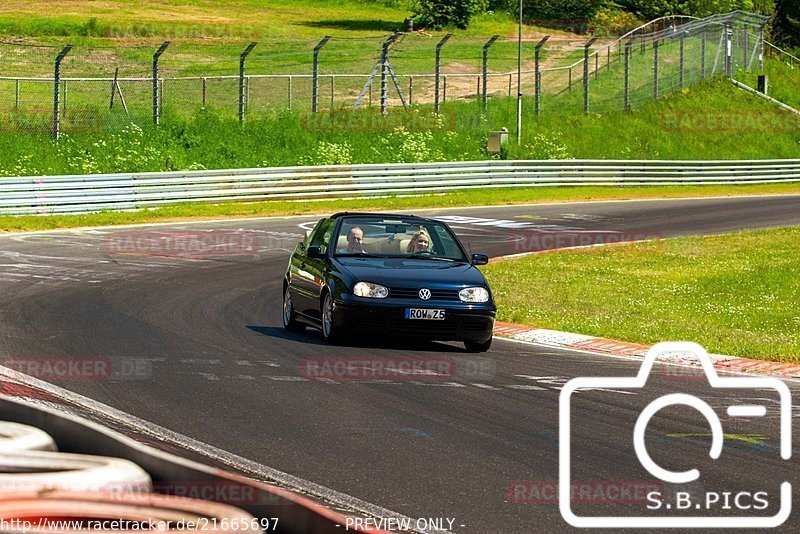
(411,271)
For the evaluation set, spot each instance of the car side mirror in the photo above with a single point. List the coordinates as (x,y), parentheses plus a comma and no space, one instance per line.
(480,259)
(314,252)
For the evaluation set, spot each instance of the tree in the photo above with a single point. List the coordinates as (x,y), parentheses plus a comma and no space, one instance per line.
(786,24)
(651,9)
(573,10)
(438,14)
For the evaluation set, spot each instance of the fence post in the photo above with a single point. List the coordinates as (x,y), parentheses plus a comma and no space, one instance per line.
(242,59)
(64,98)
(628,75)
(703,56)
(538,74)
(315,75)
(384,84)
(586,48)
(485,71)
(57,92)
(438,70)
(333,91)
(410,90)
(655,69)
(204,91)
(156,97)
(761,50)
(510,79)
(384,71)
(596,65)
(745,47)
(728,52)
(681,61)
(247,81)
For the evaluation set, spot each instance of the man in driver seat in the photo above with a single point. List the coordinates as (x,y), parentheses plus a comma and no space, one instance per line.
(355,242)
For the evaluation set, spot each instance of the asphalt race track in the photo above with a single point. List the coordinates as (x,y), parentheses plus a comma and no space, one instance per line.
(197,346)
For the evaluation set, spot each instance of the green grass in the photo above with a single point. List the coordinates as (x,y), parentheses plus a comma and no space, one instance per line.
(736,294)
(784,81)
(201,18)
(207,37)
(665,129)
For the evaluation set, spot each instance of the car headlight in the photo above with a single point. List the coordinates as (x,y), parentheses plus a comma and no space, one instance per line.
(474,294)
(372,291)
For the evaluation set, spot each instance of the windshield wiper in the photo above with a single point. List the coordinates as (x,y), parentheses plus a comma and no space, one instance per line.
(431,257)
(361,255)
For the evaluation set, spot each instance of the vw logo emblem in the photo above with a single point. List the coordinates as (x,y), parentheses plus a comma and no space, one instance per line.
(425,293)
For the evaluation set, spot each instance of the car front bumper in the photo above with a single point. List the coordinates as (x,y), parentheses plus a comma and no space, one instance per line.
(461,323)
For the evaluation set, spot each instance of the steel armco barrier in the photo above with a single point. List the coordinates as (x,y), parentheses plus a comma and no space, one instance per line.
(91,193)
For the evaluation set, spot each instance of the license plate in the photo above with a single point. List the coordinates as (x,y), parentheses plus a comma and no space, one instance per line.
(425,313)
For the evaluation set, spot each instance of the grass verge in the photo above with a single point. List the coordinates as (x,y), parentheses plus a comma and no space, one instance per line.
(687,125)
(191,211)
(735,294)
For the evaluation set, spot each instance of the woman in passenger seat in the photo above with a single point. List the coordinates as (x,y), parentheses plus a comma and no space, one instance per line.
(420,242)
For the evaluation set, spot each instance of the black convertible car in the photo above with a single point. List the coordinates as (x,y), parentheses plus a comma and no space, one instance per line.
(379,274)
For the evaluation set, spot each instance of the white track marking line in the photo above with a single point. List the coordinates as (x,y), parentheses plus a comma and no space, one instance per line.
(632,359)
(262,472)
(82,229)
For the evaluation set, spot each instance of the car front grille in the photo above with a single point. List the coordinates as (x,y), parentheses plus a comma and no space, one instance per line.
(413,293)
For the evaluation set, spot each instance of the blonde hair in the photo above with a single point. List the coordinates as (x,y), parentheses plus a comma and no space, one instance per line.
(416,236)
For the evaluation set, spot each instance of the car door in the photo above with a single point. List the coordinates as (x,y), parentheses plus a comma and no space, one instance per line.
(317,268)
(308,273)
(299,284)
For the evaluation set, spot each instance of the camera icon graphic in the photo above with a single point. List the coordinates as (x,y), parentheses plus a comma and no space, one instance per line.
(674,477)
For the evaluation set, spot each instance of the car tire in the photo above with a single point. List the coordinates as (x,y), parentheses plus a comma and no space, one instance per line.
(330,332)
(290,321)
(476,346)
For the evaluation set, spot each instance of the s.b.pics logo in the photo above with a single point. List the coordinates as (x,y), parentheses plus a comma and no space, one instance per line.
(690,497)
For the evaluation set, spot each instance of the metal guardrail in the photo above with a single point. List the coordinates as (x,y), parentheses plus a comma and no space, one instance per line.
(92,193)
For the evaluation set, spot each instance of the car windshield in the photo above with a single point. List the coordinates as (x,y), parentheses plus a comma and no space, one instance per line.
(397,237)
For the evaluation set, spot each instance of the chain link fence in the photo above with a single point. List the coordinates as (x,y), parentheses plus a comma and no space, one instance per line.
(70,89)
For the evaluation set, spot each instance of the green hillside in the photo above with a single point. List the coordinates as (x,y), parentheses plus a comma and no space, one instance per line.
(139,20)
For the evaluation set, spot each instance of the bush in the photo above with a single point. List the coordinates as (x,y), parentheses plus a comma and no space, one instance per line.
(571,15)
(651,9)
(438,14)
(614,22)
